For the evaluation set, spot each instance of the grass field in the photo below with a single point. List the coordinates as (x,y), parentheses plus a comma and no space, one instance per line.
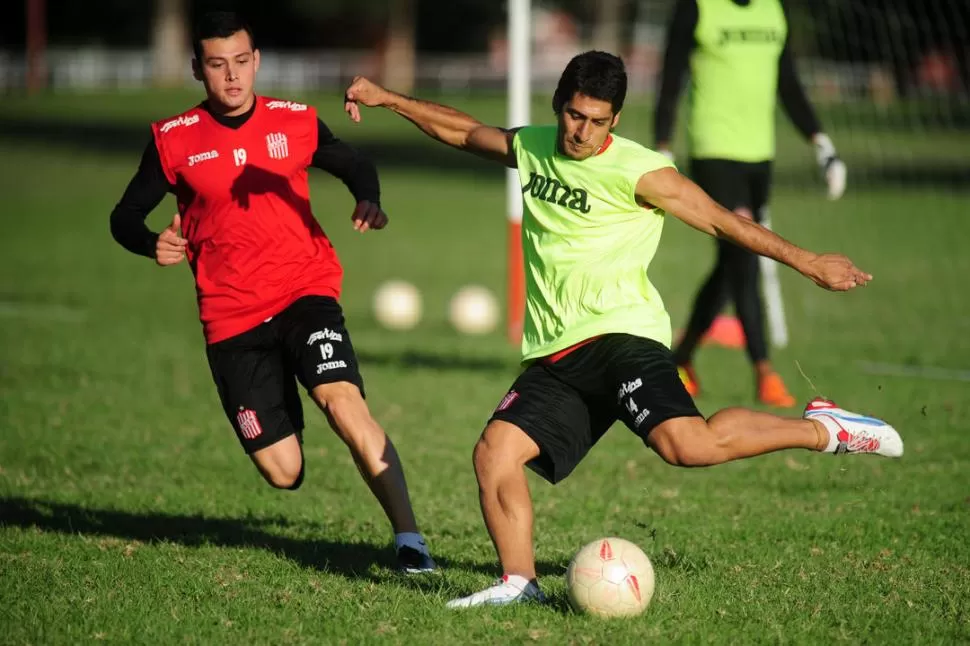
(128,513)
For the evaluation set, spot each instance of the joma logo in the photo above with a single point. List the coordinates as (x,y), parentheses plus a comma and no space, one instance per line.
(748,35)
(553,191)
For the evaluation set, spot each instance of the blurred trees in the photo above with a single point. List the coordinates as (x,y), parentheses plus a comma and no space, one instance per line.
(900,33)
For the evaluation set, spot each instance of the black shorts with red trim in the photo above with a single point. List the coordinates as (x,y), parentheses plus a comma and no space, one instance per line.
(566,406)
(256,372)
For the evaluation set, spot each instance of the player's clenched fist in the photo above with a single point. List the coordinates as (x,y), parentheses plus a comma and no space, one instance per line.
(364,91)
(836,272)
(368,215)
(170,247)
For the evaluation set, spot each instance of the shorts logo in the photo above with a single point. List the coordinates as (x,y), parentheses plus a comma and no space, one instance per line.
(639,418)
(330,365)
(507,401)
(277,146)
(326,349)
(634,410)
(631,406)
(248,424)
(326,334)
(629,388)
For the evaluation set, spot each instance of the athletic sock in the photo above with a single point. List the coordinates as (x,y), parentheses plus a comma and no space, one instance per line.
(414,540)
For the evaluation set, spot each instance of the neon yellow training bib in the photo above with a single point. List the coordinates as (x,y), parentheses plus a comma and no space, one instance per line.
(587,244)
(734,79)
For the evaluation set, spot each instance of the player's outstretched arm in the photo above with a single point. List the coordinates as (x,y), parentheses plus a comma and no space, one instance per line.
(440,122)
(669,190)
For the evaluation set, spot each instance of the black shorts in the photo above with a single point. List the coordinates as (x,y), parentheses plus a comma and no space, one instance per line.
(734,184)
(256,371)
(567,406)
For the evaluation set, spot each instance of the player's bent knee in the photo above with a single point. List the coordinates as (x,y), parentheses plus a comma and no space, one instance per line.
(486,457)
(339,394)
(341,400)
(281,464)
(299,478)
(685,442)
(501,447)
(284,477)
(481,457)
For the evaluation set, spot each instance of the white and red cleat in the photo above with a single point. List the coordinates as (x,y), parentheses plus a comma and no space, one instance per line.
(508,589)
(852,433)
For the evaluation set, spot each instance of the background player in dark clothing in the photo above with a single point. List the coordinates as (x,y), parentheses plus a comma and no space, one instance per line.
(266,275)
(740,62)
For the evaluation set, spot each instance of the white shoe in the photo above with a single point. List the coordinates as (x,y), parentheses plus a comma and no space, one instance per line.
(511,588)
(854,433)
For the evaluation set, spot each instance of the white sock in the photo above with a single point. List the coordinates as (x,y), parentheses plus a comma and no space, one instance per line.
(833,430)
(413,540)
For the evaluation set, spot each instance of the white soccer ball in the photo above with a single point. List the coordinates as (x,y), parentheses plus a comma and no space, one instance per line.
(610,577)
(473,310)
(397,305)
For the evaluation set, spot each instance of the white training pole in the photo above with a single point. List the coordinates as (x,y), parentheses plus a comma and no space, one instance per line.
(771,289)
(519,97)
(519,90)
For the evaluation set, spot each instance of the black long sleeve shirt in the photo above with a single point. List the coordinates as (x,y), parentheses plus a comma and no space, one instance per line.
(680,44)
(149,185)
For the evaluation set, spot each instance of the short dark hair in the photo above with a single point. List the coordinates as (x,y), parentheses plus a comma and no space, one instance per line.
(599,75)
(218,24)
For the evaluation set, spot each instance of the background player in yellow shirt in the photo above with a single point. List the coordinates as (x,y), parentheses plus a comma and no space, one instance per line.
(596,332)
(740,64)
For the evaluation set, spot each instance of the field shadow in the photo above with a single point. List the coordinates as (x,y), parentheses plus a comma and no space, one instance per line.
(348,559)
(438,362)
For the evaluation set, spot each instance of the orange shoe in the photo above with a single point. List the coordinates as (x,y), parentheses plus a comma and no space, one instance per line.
(689,379)
(772,391)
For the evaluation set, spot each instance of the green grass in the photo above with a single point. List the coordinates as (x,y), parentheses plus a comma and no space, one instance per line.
(128,513)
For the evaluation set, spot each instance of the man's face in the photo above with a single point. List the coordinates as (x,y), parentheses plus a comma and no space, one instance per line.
(584,125)
(228,71)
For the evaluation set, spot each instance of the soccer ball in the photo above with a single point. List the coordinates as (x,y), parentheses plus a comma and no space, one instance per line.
(397,305)
(473,310)
(610,577)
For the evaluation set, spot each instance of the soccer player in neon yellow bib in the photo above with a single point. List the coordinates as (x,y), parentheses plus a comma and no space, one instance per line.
(740,65)
(597,336)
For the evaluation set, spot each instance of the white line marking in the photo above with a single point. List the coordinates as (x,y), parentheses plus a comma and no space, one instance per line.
(919,372)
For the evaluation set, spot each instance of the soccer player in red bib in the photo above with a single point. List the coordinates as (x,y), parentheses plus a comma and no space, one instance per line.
(267,277)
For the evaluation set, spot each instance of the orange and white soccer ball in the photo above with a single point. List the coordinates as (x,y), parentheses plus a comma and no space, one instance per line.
(610,577)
